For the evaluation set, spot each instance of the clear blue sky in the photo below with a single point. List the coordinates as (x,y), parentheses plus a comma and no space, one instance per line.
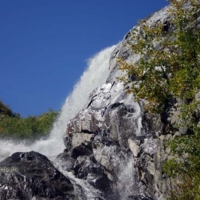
(44,45)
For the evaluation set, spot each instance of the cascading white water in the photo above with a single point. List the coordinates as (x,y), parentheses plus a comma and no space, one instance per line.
(94,76)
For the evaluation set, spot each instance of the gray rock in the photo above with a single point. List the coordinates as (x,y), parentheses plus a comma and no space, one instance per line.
(134,147)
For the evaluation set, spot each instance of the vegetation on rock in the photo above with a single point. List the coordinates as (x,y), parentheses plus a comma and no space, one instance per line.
(13,125)
(169,67)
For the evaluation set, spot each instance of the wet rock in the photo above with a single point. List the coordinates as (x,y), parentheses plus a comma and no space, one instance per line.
(85,168)
(65,160)
(31,175)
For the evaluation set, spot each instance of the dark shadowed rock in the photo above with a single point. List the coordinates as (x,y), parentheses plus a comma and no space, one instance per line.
(31,175)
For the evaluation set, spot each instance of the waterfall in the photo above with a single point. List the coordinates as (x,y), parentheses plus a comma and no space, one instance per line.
(94,76)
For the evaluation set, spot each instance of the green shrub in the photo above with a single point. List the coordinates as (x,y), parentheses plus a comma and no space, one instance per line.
(30,127)
(169,63)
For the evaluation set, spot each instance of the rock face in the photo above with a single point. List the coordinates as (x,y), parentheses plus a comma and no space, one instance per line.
(116,135)
(114,149)
(115,144)
(103,127)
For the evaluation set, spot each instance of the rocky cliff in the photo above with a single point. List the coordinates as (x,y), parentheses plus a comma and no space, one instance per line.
(114,148)
(114,135)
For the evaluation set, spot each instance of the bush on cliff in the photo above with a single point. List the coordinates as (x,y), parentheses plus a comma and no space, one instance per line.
(169,66)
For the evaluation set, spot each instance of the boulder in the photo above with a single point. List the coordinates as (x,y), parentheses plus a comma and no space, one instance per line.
(31,175)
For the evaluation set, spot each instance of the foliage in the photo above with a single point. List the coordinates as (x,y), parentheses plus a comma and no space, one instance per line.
(12,125)
(169,66)
(184,169)
(6,111)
